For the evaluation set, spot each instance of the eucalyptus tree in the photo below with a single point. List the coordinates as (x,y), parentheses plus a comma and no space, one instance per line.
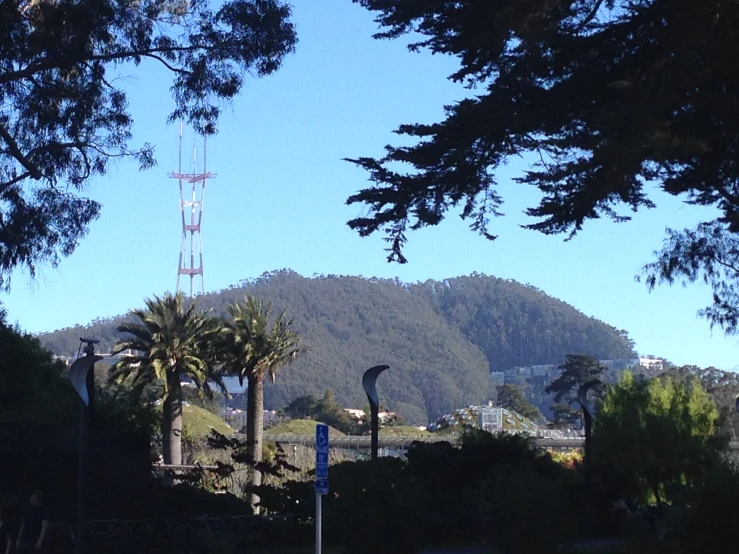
(170,342)
(64,113)
(255,347)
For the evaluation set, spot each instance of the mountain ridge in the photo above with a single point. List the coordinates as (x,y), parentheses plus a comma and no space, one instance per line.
(441,338)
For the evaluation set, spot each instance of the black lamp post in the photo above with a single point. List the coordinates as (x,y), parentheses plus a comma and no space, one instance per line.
(83,381)
(369,382)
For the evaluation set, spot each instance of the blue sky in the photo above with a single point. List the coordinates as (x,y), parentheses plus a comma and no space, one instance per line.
(278,201)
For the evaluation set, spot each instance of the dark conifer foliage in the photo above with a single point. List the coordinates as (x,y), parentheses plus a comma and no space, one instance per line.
(440,338)
(609,100)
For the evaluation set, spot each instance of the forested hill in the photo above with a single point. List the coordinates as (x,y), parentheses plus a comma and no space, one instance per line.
(441,339)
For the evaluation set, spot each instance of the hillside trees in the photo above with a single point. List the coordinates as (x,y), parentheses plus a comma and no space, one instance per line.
(511,397)
(519,325)
(442,337)
(606,100)
(32,383)
(64,117)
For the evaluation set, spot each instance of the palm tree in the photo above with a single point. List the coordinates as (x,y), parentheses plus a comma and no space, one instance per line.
(253,351)
(169,340)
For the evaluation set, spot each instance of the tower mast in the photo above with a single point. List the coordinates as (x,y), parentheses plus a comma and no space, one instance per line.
(191,249)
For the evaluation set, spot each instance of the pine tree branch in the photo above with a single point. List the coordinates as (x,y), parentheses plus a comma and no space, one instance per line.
(15,151)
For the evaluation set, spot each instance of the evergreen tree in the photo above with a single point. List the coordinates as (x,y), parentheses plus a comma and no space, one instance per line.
(512,398)
(603,98)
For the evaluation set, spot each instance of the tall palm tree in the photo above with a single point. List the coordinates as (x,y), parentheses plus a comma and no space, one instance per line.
(169,339)
(255,350)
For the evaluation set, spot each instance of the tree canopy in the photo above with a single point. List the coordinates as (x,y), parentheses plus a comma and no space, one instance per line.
(170,340)
(606,99)
(658,434)
(64,117)
(512,398)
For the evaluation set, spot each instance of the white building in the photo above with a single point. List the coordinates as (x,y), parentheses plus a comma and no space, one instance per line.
(652,362)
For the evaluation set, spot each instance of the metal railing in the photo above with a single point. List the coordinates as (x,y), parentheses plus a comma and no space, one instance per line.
(198,535)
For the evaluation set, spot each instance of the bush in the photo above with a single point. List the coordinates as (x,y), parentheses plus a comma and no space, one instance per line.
(709,525)
(520,510)
(499,490)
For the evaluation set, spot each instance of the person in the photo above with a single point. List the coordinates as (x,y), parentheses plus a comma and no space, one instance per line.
(32,534)
(5,541)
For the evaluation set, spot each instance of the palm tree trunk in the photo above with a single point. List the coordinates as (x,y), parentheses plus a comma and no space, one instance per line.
(172,421)
(254,432)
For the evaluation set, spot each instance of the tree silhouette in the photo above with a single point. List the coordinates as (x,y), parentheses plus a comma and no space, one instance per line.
(64,118)
(581,373)
(602,97)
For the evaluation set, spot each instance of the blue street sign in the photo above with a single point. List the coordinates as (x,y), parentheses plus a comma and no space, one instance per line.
(322,486)
(321,438)
(321,459)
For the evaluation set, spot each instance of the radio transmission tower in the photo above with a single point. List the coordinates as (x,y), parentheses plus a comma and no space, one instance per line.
(193,206)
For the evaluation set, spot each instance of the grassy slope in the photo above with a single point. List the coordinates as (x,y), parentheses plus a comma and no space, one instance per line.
(403,431)
(198,421)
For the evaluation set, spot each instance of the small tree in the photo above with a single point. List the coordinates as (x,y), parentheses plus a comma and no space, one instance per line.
(653,435)
(300,408)
(512,397)
(578,371)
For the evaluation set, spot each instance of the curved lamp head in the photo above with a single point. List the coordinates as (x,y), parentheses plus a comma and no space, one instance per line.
(582,396)
(369,382)
(78,375)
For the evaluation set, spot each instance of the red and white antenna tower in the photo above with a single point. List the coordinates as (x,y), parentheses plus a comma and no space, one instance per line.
(193,250)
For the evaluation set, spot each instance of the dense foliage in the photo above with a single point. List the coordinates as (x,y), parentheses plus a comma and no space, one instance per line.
(605,99)
(655,436)
(723,388)
(512,398)
(327,410)
(498,491)
(32,387)
(440,339)
(64,117)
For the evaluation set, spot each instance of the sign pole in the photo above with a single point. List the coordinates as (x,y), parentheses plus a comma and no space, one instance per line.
(321,483)
(319,523)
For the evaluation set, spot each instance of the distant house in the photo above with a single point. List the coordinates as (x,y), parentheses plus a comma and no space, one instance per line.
(360,414)
(355,413)
(237,418)
(652,362)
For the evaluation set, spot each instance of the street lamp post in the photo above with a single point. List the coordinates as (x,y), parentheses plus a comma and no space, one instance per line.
(369,382)
(82,378)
